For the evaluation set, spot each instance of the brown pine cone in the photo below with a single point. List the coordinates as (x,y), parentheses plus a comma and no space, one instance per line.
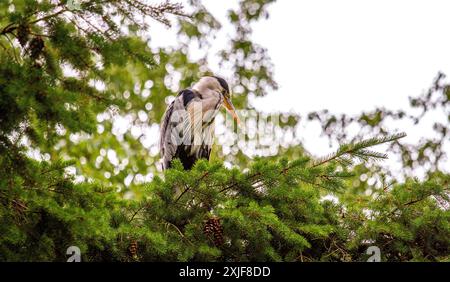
(132,248)
(214,228)
(36,46)
(23,34)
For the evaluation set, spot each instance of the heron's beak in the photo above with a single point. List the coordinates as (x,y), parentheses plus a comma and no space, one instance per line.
(229,106)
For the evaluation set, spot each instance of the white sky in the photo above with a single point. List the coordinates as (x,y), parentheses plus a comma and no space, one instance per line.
(327,53)
(347,56)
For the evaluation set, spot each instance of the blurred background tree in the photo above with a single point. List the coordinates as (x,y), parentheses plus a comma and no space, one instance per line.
(86,83)
(123,150)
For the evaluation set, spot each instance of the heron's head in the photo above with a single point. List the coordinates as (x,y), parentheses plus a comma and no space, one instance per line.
(218,85)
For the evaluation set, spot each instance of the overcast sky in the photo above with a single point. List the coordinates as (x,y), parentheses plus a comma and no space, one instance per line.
(346,56)
(350,55)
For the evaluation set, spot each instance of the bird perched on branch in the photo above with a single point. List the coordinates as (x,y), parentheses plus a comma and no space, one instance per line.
(187,126)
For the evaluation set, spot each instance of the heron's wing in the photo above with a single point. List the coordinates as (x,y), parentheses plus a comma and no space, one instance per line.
(179,124)
(170,122)
(192,123)
(208,138)
(163,128)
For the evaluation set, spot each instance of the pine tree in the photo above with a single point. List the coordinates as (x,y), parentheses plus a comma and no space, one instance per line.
(42,210)
(64,66)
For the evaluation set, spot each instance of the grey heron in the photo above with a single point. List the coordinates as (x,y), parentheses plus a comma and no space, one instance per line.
(187,126)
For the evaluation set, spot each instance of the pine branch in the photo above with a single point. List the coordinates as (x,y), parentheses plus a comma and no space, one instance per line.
(345,155)
(49,16)
(189,187)
(16,57)
(347,152)
(412,202)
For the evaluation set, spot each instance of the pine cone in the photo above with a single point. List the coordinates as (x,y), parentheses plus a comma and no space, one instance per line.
(36,46)
(23,34)
(214,228)
(132,248)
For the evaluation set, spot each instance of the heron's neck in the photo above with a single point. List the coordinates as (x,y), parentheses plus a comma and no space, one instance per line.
(211,100)
(206,93)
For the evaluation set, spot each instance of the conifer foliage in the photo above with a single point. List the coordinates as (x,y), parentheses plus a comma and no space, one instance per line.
(63,65)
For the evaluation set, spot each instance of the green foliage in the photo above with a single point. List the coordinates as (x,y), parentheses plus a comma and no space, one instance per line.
(68,76)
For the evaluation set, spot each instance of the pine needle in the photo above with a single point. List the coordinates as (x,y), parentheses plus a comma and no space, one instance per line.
(347,152)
